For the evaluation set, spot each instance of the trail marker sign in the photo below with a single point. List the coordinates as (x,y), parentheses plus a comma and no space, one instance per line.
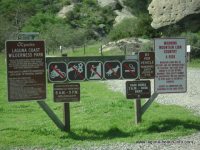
(129,69)
(138,89)
(26,71)
(170,65)
(57,71)
(69,92)
(94,70)
(76,71)
(112,70)
(147,65)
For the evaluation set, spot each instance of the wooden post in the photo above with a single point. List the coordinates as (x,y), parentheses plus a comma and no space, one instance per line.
(125,50)
(51,115)
(101,50)
(84,49)
(188,57)
(66,117)
(138,115)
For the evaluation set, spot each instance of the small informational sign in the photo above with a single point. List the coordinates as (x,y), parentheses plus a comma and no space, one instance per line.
(94,70)
(57,71)
(112,70)
(188,48)
(129,69)
(147,65)
(170,66)
(76,71)
(26,71)
(138,89)
(69,92)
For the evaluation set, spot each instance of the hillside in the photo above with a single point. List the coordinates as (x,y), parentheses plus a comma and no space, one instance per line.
(75,22)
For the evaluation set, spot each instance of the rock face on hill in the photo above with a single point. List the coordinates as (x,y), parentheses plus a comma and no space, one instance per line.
(104,3)
(62,13)
(166,12)
(119,8)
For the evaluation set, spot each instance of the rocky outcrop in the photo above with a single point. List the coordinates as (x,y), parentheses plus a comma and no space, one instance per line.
(62,13)
(106,3)
(130,44)
(167,12)
(122,14)
(119,8)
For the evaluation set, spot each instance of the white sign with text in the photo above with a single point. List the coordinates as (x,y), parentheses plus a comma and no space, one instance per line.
(170,65)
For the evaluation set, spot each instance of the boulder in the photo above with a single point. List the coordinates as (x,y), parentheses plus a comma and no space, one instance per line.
(167,12)
(122,14)
(105,3)
(130,44)
(121,11)
(62,13)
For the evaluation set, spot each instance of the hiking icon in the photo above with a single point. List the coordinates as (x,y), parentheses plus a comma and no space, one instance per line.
(94,70)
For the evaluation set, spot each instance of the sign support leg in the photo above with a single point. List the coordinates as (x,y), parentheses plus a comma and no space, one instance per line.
(138,115)
(51,114)
(66,117)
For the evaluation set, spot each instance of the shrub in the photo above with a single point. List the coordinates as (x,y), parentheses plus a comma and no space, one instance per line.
(133,27)
(193,39)
(137,7)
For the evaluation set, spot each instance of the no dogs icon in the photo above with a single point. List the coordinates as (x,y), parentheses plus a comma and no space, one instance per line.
(112,70)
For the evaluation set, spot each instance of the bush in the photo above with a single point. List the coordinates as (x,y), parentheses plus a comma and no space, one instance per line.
(134,27)
(193,39)
(59,34)
(138,7)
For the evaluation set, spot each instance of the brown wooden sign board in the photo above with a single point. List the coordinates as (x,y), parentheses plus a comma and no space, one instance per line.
(69,92)
(147,65)
(138,89)
(26,71)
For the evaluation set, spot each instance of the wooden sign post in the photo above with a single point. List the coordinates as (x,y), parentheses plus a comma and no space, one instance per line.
(68,92)
(138,89)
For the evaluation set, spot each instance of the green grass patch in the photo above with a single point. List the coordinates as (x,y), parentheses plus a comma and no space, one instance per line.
(101,117)
(90,50)
(195,63)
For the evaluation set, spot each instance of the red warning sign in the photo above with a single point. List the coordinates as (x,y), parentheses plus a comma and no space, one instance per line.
(94,70)
(129,69)
(76,71)
(57,72)
(112,70)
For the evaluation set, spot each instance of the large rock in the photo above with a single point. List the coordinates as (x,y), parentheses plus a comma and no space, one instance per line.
(105,3)
(62,13)
(122,14)
(121,11)
(130,44)
(166,12)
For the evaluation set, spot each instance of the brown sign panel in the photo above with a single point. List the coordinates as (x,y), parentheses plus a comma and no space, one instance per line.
(147,65)
(66,92)
(26,73)
(138,89)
